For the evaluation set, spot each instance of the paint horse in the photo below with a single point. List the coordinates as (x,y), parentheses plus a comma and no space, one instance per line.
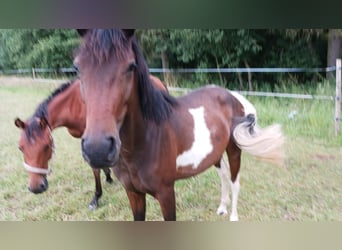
(153,139)
(63,108)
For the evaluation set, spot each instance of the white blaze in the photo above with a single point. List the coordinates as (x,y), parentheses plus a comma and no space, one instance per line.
(201,145)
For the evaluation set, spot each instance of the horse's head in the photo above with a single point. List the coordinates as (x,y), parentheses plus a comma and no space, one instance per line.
(106,65)
(36,144)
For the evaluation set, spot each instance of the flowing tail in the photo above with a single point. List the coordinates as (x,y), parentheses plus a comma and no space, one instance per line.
(264,143)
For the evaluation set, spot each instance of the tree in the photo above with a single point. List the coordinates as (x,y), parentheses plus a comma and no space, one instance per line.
(334,48)
(334,43)
(25,48)
(190,48)
(245,46)
(156,46)
(201,48)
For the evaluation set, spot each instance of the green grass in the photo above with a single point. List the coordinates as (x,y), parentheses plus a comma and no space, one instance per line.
(308,188)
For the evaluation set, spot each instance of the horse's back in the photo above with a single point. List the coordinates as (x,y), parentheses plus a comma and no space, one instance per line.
(211,97)
(158,83)
(202,124)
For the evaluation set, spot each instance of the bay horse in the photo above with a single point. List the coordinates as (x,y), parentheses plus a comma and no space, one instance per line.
(153,139)
(63,108)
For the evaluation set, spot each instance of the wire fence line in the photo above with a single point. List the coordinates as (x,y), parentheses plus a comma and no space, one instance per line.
(336,98)
(267,94)
(35,71)
(244,70)
(189,70)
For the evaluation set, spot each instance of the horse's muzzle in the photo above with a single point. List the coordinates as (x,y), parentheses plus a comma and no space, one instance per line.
(42,187)
(100,153)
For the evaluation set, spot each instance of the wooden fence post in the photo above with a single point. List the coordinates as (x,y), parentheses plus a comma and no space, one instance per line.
(338,97)
(33,74)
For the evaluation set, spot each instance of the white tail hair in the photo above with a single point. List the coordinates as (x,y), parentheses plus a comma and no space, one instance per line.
(265,143)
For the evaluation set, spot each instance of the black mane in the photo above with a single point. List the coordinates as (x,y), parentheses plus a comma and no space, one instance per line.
(41,112)
(156,105)
(100,45)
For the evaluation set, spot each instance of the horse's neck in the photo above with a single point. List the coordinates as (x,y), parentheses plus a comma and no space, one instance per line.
(67,109)
(142,140)
(134,127)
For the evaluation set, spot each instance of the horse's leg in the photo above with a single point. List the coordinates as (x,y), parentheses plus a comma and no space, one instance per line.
(138,204)
(222,170)
(234,158)
(108,177)
(98,190)
(167,201)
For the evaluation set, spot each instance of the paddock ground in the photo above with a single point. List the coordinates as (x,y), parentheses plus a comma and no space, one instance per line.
(308,188)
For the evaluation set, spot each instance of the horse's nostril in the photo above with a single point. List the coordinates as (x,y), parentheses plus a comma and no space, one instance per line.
(82,144)
(44,185)
(111,143)
(84,150)
(112,149)
(99,152)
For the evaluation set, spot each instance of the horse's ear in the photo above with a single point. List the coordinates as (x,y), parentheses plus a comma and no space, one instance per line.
(128,32)
(19,123)
(43,122)
(82,32)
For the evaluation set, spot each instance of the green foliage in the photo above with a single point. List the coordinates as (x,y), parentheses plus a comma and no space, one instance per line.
(54,50)
(215,47)
(25,48)
(185,48)
(219,48)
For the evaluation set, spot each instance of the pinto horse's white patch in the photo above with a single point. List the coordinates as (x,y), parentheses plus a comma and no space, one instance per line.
(247,106)
(201,145)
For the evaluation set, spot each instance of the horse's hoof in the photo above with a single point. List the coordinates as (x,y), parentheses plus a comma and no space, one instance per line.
(234,218)
(92,207)
(221,211)
(109,180)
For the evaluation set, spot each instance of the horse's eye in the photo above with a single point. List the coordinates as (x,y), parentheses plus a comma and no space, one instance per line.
(46,147)
(131,67)
(21,148)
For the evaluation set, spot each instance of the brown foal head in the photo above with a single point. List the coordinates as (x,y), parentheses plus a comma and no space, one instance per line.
(36,144)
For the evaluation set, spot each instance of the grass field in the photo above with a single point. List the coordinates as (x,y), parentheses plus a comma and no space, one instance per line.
(308,188)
